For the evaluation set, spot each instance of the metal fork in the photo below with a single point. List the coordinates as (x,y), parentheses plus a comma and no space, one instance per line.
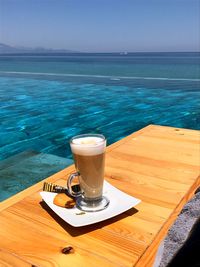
(49,187)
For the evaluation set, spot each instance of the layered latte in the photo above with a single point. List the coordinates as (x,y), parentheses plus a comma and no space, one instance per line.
(89,157)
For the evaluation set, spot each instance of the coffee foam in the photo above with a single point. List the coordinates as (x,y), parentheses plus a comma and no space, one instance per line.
(88,146)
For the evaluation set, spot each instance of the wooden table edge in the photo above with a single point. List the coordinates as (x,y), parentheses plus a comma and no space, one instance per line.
(148,257)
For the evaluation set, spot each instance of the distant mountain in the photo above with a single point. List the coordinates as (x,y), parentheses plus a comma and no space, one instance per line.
(7,49)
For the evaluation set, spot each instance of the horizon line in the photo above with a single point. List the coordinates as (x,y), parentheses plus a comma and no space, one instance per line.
(92,52)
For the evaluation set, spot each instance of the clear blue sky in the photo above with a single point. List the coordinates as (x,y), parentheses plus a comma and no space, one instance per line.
(102,25)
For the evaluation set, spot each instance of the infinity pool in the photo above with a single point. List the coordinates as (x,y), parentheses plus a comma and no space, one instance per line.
(41,112)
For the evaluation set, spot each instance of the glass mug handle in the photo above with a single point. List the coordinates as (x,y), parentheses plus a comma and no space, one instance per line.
(70,187)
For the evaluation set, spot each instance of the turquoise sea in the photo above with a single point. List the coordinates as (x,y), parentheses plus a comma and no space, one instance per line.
(46,99)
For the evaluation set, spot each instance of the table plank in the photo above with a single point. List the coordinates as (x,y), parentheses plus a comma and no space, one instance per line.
(159,165)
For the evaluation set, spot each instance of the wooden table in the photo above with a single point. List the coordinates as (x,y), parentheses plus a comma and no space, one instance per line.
(159,165)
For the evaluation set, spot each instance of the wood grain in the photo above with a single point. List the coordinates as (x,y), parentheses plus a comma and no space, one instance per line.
(159,165)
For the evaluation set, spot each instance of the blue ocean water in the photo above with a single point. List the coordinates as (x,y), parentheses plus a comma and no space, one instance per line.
(45,100)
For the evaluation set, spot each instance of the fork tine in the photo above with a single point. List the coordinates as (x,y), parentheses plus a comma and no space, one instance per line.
(50,187)
(44,186)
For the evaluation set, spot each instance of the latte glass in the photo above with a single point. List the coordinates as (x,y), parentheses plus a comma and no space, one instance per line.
(89,157)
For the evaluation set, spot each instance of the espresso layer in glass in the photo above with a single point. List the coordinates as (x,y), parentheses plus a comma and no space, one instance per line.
(91,169)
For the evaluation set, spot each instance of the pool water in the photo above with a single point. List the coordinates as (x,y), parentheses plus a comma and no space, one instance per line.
(43,114)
